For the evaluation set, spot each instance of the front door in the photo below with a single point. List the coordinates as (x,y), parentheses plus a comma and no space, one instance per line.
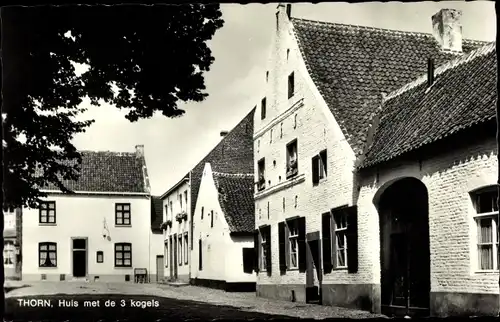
(160,263)
(79,257)
(313,269)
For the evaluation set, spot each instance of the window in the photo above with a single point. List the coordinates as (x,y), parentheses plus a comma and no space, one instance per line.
(319,167)
(171,208)
(487,228)
(267,76)
(47,254)
(186,248)
(100,256)
(202,210)
(271,136)
(264,250)
(123,255)
(166,254)
(166,212)
(8,253)
(47,212)
(261,183)
(186,198)
(293,240)
(180,200)
(200,256)
(122,214)
(248,254)
(212,219)
(263,106)
(179,244)
(295,121)
(291,85)
(291,159)
(340,220)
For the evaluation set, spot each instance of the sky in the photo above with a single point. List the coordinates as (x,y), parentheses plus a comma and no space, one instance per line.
(236,79)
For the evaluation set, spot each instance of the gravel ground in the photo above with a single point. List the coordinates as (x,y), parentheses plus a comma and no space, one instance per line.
(246,302)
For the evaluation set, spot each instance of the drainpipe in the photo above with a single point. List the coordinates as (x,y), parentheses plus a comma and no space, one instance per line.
(498,191)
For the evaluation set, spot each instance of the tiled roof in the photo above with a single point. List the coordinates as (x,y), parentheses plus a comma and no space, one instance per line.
(352,65)
(464,94)
(236,200)
(108,172)
(156,214)
(233,154)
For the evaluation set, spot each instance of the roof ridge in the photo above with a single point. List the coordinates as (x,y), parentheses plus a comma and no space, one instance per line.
(107,151)
(237,175)
(387,30)
(484,50)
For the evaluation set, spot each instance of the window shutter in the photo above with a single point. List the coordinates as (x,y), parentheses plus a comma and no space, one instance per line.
(327,243)
(268,254)
(315,170)
(256,247)
(302,244)
(282,249)
(325,161)
(287,246)
(352,239)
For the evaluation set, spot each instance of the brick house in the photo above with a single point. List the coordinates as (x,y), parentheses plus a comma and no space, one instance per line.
(232,155)
(12,243)
(223,254)
(428,196)
(325,83)
(102,232)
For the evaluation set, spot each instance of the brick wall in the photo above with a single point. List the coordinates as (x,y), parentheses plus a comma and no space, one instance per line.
(448,177)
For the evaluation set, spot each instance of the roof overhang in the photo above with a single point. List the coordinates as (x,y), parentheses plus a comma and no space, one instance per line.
(177,185)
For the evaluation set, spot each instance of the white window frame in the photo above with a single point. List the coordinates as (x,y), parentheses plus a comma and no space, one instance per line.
(293,238)
(9,252)
(263,251)
(340,229)
(179,249)
(493,216)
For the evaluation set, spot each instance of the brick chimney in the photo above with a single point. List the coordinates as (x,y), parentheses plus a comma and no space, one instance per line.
(447,29)
(139,151)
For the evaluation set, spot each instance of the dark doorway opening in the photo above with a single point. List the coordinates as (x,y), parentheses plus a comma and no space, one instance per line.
(313,269)
(405,252)
(79,257)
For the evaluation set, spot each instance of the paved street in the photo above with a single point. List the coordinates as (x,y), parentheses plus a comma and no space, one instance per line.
(161,302)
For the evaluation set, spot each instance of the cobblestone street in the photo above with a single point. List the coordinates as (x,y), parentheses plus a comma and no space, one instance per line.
(213,303)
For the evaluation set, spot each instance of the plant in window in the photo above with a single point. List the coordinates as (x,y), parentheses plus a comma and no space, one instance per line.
(166,224)
(292,168)
(181,216)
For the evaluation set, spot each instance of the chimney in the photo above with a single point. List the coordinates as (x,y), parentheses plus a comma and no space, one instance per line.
(223,133)
(447,29)
(289,10)
(430,72)
(139,151)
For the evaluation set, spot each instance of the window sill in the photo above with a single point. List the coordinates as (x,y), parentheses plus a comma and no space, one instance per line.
(294,269)
(280,186)
(124,226)
(321,181)
(47,267)
(487,272)
(47,224)
(340,268)
(126,267)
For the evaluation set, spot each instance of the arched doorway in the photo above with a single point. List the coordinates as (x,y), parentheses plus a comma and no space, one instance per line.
(404,252)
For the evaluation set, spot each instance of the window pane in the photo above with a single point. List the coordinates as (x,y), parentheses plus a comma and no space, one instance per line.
(119,255)
(127,262)
(119,247)
(126,215)
(127,247)
(52,247)
(119,262)
(52,205)
(486,202)
(340,240)
(341,258)
(119,207)
(126,207)
(485,231)
(43,247)
(486,257)
(127,255)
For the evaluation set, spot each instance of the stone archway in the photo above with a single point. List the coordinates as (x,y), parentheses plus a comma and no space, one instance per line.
(404,248)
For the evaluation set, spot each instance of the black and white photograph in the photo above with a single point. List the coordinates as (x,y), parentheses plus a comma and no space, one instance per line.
(226,161)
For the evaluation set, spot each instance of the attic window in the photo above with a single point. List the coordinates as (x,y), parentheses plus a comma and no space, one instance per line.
(291,85)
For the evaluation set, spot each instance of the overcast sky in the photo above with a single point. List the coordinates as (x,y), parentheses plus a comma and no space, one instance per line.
(234,83)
